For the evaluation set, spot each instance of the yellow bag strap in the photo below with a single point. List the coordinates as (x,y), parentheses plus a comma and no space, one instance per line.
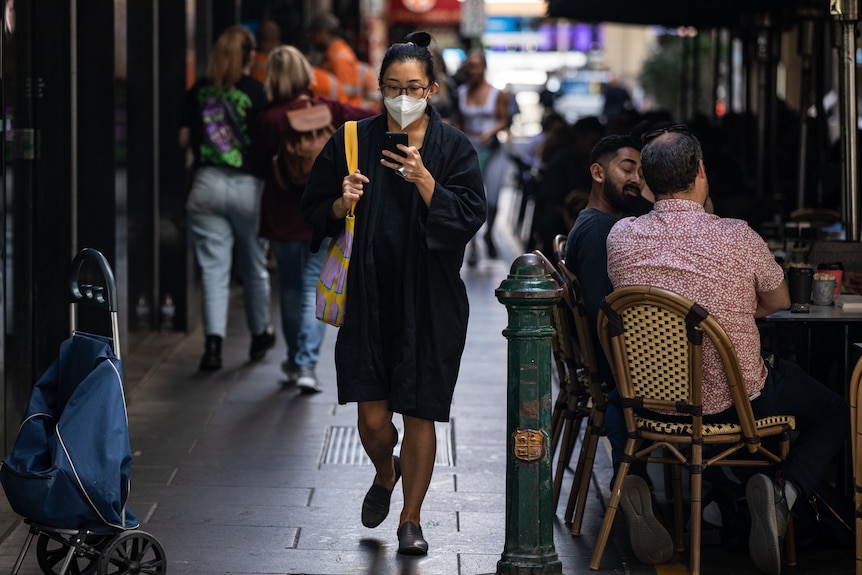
(351,152)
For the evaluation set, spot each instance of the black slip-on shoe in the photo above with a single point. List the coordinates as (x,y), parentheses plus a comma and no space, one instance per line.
(375,507)
(410,540)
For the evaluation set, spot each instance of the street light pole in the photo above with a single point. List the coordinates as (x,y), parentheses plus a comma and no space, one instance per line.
(846,14)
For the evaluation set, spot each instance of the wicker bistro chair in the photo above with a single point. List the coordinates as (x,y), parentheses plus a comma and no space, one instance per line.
(573,318)
(582,395)
(653,338)
(572,404)
(560,241)
(856,451)
(598,393)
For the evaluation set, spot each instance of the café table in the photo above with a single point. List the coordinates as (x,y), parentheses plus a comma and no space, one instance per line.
(822,320)
(825,326)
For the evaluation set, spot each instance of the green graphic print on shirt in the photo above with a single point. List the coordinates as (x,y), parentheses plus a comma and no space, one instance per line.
(225,139)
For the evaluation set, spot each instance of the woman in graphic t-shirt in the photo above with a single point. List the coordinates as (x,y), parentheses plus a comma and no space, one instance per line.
(223,207)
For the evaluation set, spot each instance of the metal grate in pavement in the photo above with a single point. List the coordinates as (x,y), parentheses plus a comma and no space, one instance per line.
(342,446)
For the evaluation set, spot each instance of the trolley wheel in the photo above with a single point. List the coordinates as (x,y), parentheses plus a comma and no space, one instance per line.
(51,553)
(132,552)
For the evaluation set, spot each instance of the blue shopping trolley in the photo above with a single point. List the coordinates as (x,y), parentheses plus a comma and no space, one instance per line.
(68,474)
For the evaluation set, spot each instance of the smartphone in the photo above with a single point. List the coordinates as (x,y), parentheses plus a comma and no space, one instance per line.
(391,143)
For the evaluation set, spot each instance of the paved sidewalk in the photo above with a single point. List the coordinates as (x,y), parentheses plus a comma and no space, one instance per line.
(236,472)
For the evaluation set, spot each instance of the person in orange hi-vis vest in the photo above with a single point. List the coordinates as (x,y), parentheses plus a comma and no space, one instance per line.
(325,85)
(268,37)
(338,57)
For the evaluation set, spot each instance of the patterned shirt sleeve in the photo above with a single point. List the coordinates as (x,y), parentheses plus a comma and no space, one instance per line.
(613,256)
(768,273)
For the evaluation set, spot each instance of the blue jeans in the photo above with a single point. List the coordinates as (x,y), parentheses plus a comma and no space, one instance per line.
(223,209)
(298,270)
(822,420)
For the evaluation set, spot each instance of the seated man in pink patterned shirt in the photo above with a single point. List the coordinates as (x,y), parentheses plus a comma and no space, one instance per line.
(727,268)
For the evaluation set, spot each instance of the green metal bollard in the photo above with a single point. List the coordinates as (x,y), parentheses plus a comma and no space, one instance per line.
(529,295)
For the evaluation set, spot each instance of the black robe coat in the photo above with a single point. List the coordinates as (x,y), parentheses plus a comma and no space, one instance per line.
(433,321)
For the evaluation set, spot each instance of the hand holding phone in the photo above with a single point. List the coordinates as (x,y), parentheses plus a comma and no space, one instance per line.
(391,142)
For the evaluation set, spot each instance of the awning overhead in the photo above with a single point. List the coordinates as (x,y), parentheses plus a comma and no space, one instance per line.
(750,15)
(673,13)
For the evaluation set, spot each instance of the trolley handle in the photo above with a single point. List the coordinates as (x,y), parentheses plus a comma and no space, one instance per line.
(104,297)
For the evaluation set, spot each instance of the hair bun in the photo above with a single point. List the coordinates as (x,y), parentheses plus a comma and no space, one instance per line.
(422,39)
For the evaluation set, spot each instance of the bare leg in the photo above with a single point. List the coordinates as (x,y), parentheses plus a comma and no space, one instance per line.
(379,437)
(418,452)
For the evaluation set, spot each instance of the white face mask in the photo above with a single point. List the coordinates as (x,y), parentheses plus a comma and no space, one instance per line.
(404,109)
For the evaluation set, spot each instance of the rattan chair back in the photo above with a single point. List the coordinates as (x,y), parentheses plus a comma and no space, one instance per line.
(573,405)
(654,339)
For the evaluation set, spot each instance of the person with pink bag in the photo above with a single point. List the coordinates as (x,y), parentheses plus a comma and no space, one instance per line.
(405,321)
(289,76)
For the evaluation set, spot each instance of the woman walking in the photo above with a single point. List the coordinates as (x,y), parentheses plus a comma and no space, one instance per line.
(218,117)
(483,112)
(405,321)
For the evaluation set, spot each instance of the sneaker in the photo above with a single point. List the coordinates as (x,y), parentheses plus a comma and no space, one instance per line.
(291,370)
(261,343)
(211,359)
(307,381)
(650,541)
(767,505)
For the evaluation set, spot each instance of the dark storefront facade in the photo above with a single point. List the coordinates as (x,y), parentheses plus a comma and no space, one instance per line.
(91,103)
(91,106)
